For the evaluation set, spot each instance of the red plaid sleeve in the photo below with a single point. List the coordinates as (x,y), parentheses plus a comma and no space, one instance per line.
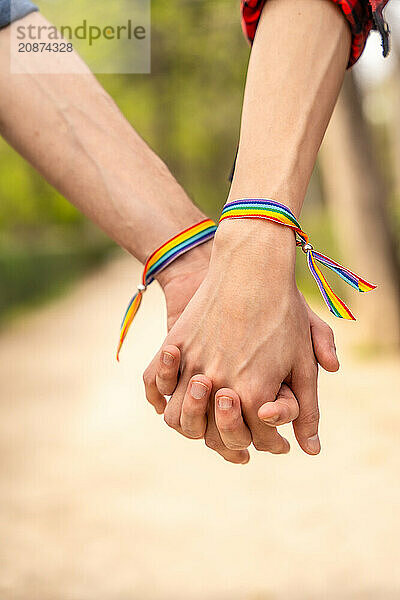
(361,15)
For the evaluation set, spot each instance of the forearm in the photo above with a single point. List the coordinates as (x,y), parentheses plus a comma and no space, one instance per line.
(295,72)
(71,131)
(296,69)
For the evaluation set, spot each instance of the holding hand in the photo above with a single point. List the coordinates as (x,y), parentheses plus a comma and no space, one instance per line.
(225,356)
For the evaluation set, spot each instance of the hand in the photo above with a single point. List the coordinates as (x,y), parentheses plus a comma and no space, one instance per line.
(161,379)
(180,280)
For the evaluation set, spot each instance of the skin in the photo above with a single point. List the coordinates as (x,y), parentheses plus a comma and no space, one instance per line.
(162,376)
(264,339)
(72,132)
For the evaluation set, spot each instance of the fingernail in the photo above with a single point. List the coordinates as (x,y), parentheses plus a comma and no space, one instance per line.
(224,402)
(313,444)
(168,359)
(198,390)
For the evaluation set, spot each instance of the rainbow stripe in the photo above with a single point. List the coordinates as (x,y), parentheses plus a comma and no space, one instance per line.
(160,259)
(259,208)
(262,208)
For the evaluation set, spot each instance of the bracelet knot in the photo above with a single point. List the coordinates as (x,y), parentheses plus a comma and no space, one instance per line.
(264,208)
(306,247)
(160,259)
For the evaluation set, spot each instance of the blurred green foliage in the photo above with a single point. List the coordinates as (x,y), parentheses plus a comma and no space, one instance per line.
(188,110)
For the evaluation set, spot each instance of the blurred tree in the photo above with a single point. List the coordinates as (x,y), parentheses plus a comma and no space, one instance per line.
(394,129)
(188,109)
(357,198)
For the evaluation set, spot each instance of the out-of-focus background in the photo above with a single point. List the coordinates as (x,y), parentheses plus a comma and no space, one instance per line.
(98,499)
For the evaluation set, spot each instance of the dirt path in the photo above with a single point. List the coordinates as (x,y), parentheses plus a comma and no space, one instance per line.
(100,501)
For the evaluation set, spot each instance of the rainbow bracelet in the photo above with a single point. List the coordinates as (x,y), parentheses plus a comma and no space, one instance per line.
(164,255)
(263,208)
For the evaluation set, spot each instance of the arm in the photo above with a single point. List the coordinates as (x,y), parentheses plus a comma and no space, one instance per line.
(252,330)
(296,69)
(72,132)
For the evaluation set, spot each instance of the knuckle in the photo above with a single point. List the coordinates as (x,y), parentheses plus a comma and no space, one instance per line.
(171,420)
(280,449)
(309,373)
(150,399)
(164,387)
(190,365)
(261,446)
(196,409)
(232,445)
(276,447)
(230,426)
(252,403)
(162,373)
(161,388)
(227,428)
(289,412)
(191,433)
(312,369)
(309,417)
(284,414)
(212,443)
(147,378)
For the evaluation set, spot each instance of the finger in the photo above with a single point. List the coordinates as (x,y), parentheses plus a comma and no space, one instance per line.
(323,341)
(193,418)
(152,394)
(284,409)
(213,440)
(173,410)
(168,369)
(304,386)
(228,417)
(265,438)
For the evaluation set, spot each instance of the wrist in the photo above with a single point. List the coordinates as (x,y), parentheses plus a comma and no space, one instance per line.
(258,243)
(195,260)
